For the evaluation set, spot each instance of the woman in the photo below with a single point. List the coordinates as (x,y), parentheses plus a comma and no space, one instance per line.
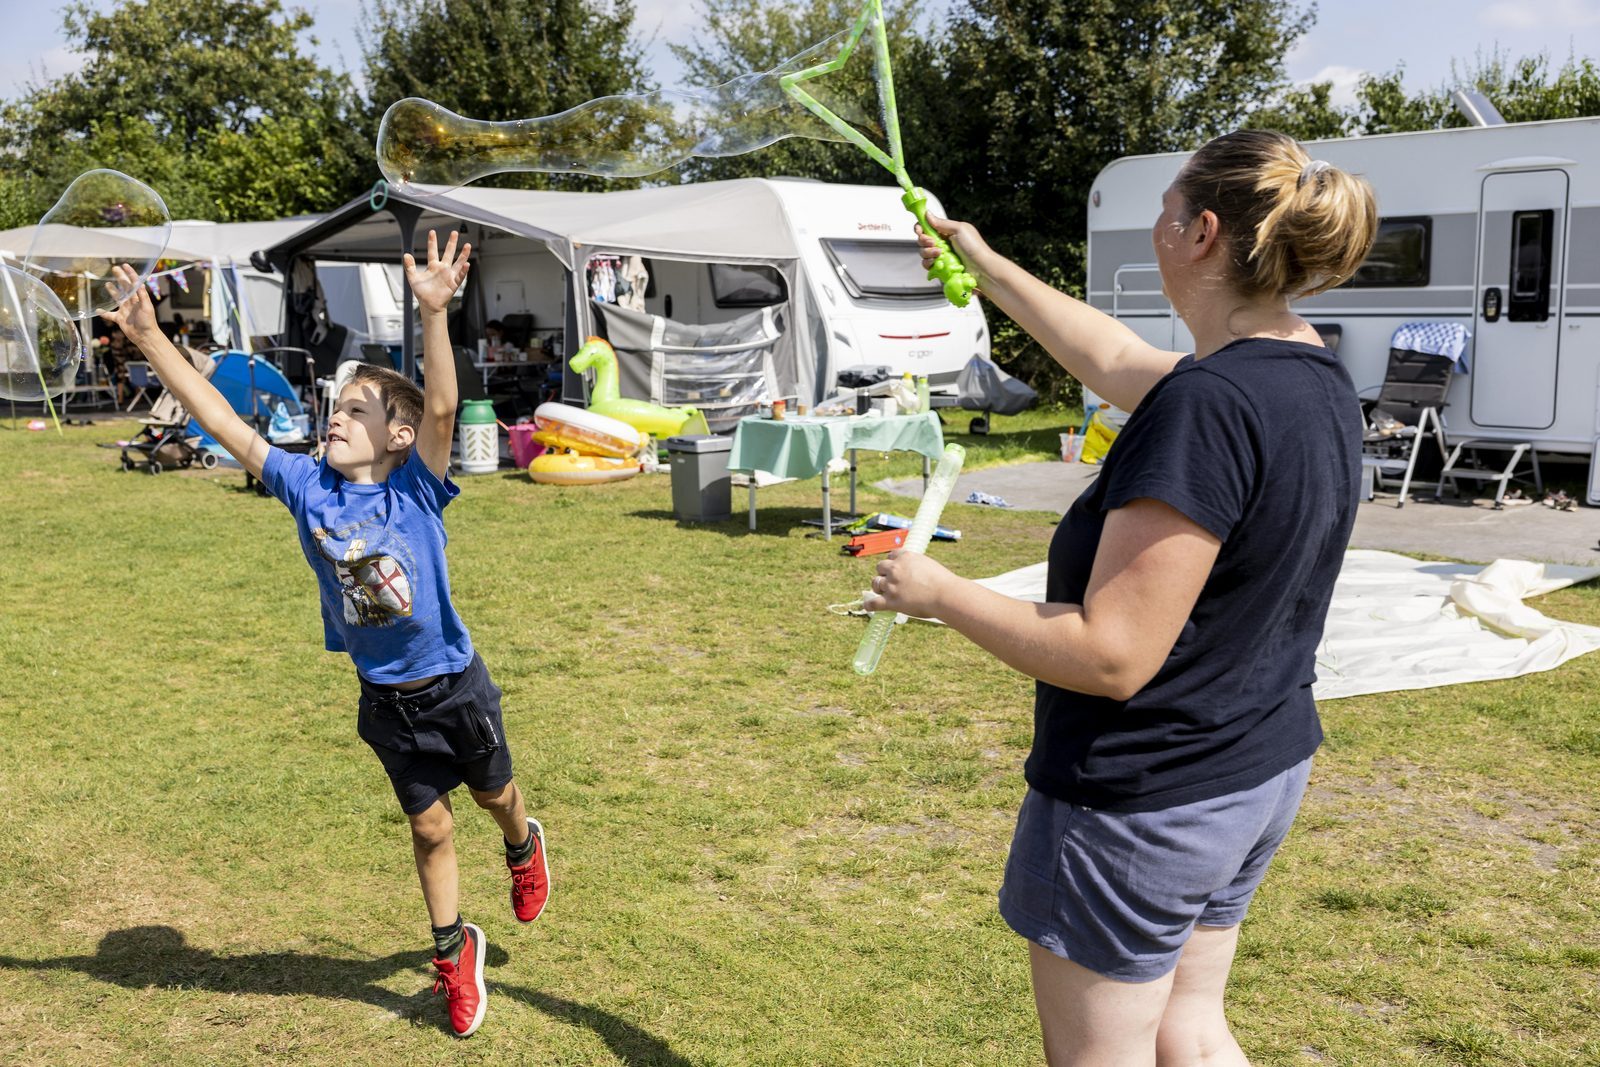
(1187,589)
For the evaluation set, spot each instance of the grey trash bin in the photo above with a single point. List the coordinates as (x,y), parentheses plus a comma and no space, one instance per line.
(702,491)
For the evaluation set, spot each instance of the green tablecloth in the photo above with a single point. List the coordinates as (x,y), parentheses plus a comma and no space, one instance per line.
(800,447)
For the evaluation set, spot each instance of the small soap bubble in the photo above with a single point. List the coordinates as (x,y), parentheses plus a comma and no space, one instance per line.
(40,347)
(424,147)
(104,218)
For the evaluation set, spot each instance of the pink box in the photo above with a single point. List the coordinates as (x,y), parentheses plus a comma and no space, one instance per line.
(523,447)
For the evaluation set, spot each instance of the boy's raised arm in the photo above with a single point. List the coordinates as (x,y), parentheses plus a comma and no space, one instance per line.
(434,286)
(137,317)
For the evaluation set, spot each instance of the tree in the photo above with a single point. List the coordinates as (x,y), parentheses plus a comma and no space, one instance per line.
(741,38)
(1042,94)
(188,95)
(502,59)
(1305,113)
(1010,110)
(1523,90)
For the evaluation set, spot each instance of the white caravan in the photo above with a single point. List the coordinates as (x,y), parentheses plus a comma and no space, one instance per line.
(870,300)
(858,244)
(1493,227)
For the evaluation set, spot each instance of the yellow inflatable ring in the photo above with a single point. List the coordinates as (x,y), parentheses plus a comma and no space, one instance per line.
(567,468)
(563,426)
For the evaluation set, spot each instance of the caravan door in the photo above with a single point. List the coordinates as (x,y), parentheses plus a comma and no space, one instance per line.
(1522,231)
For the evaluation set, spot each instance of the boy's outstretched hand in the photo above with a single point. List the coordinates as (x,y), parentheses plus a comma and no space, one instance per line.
(135,314)
(435,284)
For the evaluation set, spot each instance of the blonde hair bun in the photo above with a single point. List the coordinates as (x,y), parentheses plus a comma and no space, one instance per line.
(1294,226)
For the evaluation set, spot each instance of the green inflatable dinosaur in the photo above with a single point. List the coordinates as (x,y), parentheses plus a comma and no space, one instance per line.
(642,415)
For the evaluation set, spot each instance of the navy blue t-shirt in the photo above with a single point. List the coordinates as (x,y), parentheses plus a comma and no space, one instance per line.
(1259,443)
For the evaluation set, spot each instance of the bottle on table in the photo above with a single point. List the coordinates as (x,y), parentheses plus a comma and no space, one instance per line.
(924,401)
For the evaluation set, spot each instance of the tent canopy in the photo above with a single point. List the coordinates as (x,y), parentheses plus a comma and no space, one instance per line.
(190,240)
(732,220)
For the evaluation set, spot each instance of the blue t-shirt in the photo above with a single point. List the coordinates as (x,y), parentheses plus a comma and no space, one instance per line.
(1259,443)
(378,553)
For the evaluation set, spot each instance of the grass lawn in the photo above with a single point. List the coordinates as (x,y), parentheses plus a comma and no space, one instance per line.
(758,858)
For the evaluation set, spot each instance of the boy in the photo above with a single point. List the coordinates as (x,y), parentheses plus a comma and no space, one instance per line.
(369,516)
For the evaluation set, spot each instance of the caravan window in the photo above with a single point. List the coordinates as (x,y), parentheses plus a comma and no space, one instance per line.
(1399,255)
(884,269)
(745,285)
(395,275)
(1530,266)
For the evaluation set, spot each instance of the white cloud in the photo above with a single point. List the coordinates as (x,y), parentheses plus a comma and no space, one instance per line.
(1549,15)
(1344,79)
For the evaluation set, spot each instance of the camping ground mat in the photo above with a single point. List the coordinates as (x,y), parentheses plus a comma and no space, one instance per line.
(1398,623)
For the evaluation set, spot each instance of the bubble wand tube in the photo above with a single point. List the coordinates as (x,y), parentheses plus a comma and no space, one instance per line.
(948,268)
(939,488)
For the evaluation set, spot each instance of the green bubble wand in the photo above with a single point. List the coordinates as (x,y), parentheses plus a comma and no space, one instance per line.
(922,526)
(948,268)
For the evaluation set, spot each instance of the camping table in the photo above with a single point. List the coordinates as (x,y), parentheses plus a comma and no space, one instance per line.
(803,446)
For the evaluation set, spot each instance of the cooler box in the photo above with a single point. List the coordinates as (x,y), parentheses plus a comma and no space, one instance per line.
(702,491)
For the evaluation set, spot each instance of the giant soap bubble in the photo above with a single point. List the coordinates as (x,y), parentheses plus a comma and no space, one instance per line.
(104,218)
(422,144)
(40,347)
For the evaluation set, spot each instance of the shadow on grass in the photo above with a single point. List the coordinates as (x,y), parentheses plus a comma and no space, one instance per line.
(146,957)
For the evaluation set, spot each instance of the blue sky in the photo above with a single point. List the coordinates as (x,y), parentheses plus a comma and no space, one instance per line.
(1350,37)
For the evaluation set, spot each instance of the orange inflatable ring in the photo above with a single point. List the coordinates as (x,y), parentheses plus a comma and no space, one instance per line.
(568,468)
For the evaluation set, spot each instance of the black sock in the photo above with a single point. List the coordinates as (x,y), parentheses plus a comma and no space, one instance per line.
(516,855)
(448,940)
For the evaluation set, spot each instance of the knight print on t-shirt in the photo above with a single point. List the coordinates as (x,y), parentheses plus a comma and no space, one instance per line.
(375,587)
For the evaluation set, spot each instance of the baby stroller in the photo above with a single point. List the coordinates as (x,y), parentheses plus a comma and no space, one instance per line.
(166,440)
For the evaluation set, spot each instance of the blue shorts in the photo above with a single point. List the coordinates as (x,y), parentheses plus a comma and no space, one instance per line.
(1119,892)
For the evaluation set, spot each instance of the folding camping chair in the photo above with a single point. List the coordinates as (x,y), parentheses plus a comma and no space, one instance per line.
(143,379)
(1409,408)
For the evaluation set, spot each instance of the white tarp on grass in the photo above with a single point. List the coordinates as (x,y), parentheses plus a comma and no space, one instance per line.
(1398,623)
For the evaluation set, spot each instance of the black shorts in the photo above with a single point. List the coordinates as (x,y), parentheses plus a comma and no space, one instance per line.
(437,737)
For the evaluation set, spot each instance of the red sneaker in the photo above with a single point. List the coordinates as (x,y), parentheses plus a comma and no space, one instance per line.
(530,880)
(462,983)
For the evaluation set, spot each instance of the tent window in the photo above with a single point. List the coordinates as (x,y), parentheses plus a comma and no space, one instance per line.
(1399,256)
(885,269)
(1531,247)
(263,300)
(745,285)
